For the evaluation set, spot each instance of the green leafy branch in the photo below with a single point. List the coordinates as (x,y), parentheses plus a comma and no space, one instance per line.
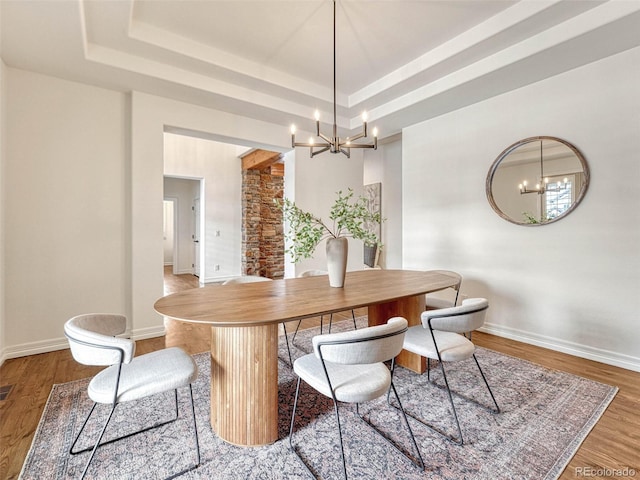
(529,218)
(348,219)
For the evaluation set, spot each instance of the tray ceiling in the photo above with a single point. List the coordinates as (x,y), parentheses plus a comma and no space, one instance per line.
(402,61)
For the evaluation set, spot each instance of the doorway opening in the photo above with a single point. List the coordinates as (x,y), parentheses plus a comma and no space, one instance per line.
(183,247)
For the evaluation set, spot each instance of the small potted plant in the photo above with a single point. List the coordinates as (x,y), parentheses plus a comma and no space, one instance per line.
(348,218)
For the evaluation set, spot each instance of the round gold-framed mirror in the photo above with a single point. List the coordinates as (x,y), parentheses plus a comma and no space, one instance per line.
(537,181)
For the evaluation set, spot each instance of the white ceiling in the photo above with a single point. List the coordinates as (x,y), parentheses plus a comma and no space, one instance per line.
(401,60)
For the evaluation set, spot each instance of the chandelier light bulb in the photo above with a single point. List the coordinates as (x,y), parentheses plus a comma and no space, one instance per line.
(365,116)
(375,131)
(293,129)
(524,183)
(311,140)
(317,115)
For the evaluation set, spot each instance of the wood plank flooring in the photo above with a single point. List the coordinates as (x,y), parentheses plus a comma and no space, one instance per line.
(613,445)
(177,283)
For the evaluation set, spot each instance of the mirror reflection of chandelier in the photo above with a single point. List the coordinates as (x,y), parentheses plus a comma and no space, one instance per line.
(335,144)
(541,186)
(539,189)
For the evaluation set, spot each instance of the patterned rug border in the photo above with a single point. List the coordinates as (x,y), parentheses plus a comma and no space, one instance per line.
(573,447)
(552,473)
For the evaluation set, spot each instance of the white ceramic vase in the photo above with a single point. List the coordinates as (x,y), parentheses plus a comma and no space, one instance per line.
(337,251)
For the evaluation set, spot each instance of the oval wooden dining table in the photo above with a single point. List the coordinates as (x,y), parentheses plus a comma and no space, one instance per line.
(244,318)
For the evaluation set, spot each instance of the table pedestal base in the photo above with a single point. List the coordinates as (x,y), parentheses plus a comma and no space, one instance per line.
(410,308)
(244,384)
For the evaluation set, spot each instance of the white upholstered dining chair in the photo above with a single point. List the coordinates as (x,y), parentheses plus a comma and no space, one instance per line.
(348,367)
(93,341)
(441,337)
(438,300)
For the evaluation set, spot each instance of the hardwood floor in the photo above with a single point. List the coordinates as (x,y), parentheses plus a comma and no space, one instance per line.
(177,283)
(613,445)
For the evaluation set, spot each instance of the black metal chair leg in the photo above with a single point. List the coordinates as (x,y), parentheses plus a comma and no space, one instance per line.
(344,462)
(160,424)
(293,417)
(293,339)
(293,414)
(80,433)
(291,446)
(195,435)
(406,421)
(353,316)
(98,444)
(419,462)
(286,339)
(497,409)
(195,427)
(423,422)
(95,448)
(453,407)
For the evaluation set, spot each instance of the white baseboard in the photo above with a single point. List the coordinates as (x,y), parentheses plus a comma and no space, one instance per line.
(218,279)
(149,332)
(583,351)
(34,348)
(44,346)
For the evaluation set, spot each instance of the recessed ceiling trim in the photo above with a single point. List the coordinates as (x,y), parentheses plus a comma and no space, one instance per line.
(571,29)
(177,44)
(162,71)
(493,26)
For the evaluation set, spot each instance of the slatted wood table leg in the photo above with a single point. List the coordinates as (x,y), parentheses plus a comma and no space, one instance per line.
(244,384)
(410,308)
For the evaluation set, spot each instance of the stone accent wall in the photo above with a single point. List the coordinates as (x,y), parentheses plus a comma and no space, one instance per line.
(262,231)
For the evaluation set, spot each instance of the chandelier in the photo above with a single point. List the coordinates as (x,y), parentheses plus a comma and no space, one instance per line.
(334,144)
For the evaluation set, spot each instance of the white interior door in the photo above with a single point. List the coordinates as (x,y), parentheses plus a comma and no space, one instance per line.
(196,236)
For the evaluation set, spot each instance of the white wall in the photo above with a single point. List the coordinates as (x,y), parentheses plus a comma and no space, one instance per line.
(572,285)
(384,165)
(82,202)
(218,164)
(2,203)
(65,207)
